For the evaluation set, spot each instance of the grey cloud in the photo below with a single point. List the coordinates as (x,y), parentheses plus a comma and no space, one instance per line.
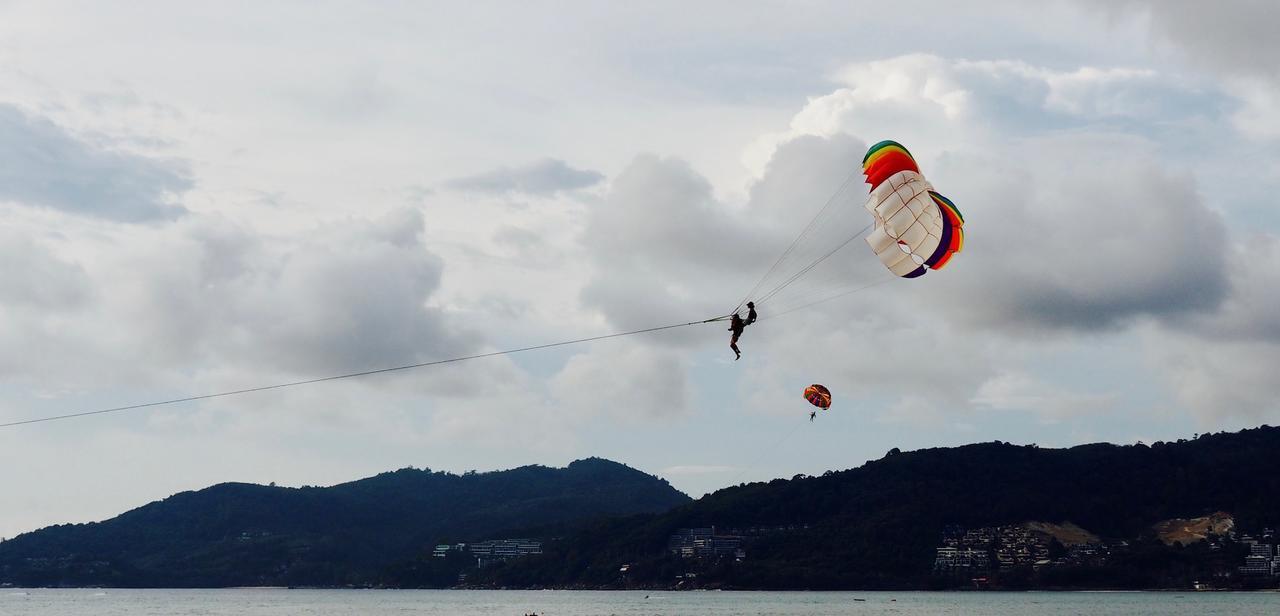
(1236,36)
(38,292)
(936,104)
(362,93)
(1220,378)
(214,298)
(43,165)
(1251,312)
(1082,234)
(1248,313)
(1233,42)
(527,247)
(666,249)
(347,298)
(1022,392)
(637,381)
(798,182)
(517,238)
(545,177)
(659,210)
(802,174)
(1222,364)
(34,277)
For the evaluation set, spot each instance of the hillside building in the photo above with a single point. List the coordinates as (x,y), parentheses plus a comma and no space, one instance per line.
(498,550)
(1256,565)
(961,561)
(705,543)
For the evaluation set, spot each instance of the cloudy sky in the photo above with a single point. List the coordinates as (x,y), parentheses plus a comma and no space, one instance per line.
(203,198)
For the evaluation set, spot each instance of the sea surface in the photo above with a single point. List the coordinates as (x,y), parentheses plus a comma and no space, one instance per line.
(280,602)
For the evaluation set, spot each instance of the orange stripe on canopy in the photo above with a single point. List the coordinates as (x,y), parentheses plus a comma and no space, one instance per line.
(888,164)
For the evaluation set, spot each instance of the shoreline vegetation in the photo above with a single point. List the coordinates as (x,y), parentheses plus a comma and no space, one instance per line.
(1164,517)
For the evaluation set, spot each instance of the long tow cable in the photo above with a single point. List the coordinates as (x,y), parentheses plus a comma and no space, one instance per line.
(813,223)
(352,375)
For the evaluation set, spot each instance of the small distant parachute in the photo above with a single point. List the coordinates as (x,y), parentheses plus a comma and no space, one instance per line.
(818,395)
(916,229)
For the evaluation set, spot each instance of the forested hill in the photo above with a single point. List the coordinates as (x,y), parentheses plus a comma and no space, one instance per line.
(243,534)
(878,525)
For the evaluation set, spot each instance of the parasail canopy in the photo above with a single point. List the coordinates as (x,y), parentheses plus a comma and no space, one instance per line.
(916,228)
(818,395)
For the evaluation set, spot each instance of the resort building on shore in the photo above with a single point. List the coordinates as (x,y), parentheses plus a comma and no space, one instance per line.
(705,543)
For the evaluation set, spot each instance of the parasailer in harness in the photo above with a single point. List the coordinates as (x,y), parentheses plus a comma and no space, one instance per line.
(736,325)
(819,396)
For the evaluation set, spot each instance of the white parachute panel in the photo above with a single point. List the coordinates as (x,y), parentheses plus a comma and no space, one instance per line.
(908,222)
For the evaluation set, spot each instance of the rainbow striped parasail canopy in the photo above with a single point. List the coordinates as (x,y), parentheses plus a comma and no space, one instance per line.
(916,228)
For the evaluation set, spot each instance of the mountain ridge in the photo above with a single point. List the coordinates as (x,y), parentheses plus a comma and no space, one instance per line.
(874,526)
(879,525)
(248,534)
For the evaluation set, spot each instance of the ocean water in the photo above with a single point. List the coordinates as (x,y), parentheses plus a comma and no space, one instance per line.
(281,602)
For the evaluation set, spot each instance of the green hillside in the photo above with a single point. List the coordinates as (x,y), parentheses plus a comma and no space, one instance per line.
(877,526)
(237,534)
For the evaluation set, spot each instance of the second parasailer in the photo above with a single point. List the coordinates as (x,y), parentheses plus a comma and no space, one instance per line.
(819,396)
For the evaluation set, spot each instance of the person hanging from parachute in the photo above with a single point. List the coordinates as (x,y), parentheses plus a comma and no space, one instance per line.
(914,228)
(819,396)
(736,325)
